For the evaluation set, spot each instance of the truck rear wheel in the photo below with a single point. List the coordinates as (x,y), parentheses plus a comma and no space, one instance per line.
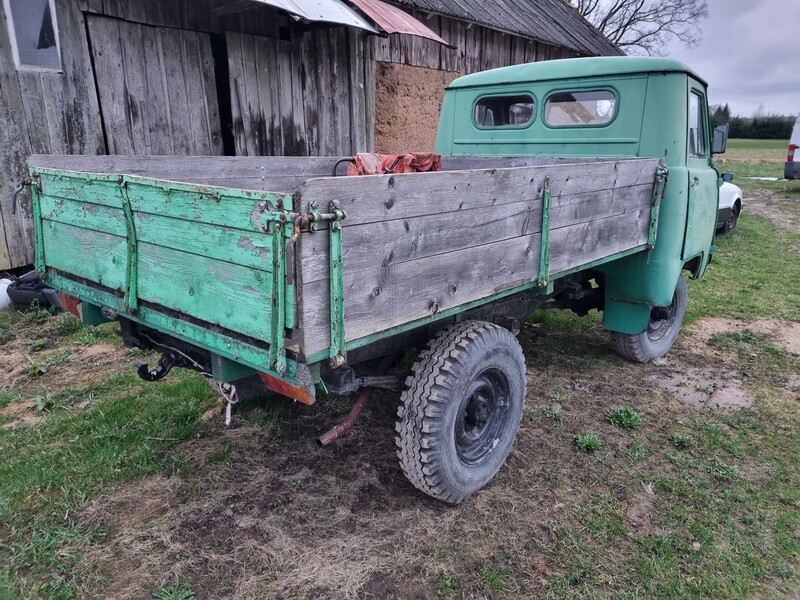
(662,330)
(461,410)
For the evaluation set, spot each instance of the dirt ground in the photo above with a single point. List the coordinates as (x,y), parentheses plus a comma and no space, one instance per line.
(267,513)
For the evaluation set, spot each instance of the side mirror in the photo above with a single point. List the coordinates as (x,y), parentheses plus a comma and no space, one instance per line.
(727,177)
(720,141)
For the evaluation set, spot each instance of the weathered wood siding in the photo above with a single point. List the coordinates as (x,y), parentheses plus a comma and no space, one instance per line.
(475,48)
(42,112)
(306,96)
(158,92)
(422,243)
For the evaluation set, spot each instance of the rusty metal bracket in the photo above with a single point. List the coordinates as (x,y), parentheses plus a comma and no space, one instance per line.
(26,182)
(662,172)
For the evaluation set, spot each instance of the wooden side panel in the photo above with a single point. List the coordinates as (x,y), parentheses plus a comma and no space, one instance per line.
(422,243)
(156,90)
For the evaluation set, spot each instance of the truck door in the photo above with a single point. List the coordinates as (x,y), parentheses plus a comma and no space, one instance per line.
(703,190)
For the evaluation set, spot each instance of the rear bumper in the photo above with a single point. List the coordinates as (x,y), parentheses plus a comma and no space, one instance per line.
(791,170)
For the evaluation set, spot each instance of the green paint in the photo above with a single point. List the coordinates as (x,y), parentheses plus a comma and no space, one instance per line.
(132,271)
(658,192)
(544,251)
(226,370)
(338,349)
(91,314)
(203,337)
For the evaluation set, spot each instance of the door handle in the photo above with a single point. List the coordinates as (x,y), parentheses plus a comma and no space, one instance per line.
(695,182)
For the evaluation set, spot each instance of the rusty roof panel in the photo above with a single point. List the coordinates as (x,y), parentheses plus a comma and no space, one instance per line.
(394,20)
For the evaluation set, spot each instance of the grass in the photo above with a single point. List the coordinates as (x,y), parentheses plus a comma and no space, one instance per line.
(588,442)
(625,417)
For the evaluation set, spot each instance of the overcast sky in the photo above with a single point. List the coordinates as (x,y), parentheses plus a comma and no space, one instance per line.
(749,54)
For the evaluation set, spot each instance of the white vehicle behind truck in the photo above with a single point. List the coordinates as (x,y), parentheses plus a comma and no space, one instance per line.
(791,169)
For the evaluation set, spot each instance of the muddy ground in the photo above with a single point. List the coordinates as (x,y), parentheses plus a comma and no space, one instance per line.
(264,512)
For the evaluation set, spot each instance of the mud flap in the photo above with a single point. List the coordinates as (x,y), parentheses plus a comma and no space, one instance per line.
(306,395)
(625,317)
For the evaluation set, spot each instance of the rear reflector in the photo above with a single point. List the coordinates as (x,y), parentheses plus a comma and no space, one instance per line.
(792,148)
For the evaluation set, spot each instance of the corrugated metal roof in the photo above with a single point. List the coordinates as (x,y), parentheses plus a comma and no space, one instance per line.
(550,21)
(325,11)
(394,20)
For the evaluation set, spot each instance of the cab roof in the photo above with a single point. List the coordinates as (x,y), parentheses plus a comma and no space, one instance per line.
(571,68)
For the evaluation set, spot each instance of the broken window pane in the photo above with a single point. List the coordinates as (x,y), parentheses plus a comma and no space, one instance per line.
(33,31)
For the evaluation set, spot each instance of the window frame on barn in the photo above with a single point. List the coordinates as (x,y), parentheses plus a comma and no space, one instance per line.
(25,58)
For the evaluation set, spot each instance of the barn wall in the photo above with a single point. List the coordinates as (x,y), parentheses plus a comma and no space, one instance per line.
(328,108)
(412,73)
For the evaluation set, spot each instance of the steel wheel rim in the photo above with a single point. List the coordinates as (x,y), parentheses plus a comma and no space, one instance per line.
(482,416)
(661,319)
(731,222)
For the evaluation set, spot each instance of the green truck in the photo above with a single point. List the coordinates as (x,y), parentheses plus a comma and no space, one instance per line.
(581,183)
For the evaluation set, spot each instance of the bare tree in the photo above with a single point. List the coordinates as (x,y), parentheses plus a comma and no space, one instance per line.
(645,26)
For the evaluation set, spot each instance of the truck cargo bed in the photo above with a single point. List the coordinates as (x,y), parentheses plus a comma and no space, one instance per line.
(197,247)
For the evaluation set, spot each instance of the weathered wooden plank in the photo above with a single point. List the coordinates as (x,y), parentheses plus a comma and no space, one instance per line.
(299,142)
(265,71)
(110,73)
(30,86)
(159,119)
(389,242)
(369,94)
(172,49)
(134,72)
(358,111)
(222,293)
(210,95)
(586,242)
(385,197)
(283,108)
(343,93)
(98,257)
(384,297)
(53,86)
(239,111)
(310,85)
(193,169)
(198,114)
(246,248)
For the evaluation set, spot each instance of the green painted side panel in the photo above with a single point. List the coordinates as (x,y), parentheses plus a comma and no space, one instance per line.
(200,251)
(98,257)
(235,297)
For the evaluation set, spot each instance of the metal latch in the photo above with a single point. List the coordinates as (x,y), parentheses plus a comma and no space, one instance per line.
(26,182)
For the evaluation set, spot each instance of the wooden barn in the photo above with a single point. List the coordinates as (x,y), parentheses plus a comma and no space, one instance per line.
(246,77)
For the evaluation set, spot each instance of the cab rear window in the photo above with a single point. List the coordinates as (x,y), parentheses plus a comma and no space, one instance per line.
(583,108)
(493,112)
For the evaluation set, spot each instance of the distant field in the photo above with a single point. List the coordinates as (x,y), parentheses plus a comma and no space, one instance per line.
(749,151)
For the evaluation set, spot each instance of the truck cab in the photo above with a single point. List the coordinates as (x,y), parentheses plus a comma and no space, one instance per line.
(608,107)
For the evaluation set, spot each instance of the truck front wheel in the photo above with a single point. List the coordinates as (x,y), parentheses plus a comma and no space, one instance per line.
(662,330)
(461,410)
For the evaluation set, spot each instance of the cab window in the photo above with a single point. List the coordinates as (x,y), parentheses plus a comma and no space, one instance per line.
(492,112)
(580,108)
(697,126)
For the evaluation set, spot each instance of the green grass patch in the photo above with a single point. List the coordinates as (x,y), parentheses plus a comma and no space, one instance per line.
(51,470)
(750,276)
(587,442)
(625,417)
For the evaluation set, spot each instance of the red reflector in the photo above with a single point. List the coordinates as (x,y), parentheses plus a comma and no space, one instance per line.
(70,304)
(792,148)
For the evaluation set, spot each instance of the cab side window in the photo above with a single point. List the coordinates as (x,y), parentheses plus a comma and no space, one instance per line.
(504,111)
(698,145)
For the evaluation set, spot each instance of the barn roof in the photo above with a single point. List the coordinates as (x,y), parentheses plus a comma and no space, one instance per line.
(550,21)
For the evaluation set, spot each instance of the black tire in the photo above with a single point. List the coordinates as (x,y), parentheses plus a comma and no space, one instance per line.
(729,226)
(661,332)
(461,410)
